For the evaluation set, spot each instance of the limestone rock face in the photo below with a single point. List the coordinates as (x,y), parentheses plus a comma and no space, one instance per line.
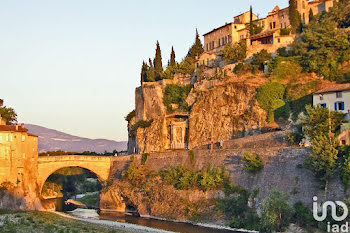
(219,110)
(225,112)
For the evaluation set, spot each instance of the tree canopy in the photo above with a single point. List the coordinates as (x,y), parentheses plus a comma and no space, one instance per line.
(197,47)
(9,115)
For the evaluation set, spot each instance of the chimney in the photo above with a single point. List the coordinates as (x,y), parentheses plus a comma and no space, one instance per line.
(16,127)
(22,125)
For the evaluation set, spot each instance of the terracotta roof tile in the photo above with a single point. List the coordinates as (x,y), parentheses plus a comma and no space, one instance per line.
(12,128)
(334,88)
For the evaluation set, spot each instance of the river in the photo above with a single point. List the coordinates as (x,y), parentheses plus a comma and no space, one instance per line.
(148,222)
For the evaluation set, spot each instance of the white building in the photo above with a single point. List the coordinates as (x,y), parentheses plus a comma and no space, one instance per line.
(335,97)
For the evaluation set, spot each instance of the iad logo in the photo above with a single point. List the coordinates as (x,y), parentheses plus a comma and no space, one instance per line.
(333,209)
(324,212)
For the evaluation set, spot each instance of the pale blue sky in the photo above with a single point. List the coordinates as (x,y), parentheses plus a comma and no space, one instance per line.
(73,65)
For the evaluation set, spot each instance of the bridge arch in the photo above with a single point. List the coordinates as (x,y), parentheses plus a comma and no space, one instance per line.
(99,165)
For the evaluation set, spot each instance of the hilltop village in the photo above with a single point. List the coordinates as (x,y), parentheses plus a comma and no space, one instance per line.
(212,94)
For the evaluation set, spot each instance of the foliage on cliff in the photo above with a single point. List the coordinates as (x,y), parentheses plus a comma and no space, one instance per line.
(270,98)
(236,52)
(181,177)
(175,96)
(130,115)
(252,162)
(324,44)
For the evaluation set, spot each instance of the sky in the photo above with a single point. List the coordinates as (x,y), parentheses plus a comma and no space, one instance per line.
(73,65)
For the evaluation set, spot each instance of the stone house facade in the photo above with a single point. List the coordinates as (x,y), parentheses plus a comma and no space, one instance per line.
(270,38)
(18,153)
(336,98)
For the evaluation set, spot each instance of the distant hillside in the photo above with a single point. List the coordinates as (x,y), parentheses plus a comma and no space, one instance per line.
(52,140)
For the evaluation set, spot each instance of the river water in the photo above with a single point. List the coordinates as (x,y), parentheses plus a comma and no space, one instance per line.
(148,222)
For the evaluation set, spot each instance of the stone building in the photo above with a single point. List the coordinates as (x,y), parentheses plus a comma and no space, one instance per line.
(336,98)
(18,153)
(270,38)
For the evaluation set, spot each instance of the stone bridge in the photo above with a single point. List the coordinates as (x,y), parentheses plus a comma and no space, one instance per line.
(100,165)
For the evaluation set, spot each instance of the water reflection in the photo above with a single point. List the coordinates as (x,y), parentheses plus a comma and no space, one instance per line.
(153,223)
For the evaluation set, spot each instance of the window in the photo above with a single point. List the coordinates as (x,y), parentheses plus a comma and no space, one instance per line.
(270,25)
(339,94)
(219,43)
(281,25)
(235,27)
(263,24)
(343,142)
(207,47)
(321,97)
(23,138)
(279,40)
(323,105)
(274,24)
(339,106)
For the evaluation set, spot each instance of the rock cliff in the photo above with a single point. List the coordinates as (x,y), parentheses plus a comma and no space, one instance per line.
(218,109)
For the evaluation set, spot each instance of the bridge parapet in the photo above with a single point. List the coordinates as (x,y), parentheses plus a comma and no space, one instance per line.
(74,158)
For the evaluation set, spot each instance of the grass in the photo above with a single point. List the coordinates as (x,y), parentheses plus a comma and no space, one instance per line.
(90,200)
(45,222)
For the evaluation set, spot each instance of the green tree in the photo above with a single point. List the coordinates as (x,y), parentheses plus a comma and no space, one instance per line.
(252,162)
(322,162)
(9,115)
(158,65)
(236,52)
(260,58)
(172,58)
(311,15)
(294,16)
(344,157)
(144,72)
(197,47)
(316,121)
(277,212)
(270,98)
(151,75)
(323,47)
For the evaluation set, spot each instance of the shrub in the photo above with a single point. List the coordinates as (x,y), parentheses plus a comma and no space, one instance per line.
(144,158)
(270,98)
(140,124)
(277,212)
(344,157)
(287,69)
(235,52)
(303,216)
(243,68)
(285,31)
(191,157)
(252,162)
(131,115)
(176,94)
(260,58)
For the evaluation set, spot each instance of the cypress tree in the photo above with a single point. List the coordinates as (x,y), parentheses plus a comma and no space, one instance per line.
(172,57)
(251,26)
(197,47)
(158,66)
(311,15)
(144,71)
(294,16)
(151,77)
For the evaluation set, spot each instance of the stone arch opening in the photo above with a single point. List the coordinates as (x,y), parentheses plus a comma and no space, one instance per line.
(65,188)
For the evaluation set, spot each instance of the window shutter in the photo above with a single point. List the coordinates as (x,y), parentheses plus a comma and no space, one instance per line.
(342,106)
(335,106)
